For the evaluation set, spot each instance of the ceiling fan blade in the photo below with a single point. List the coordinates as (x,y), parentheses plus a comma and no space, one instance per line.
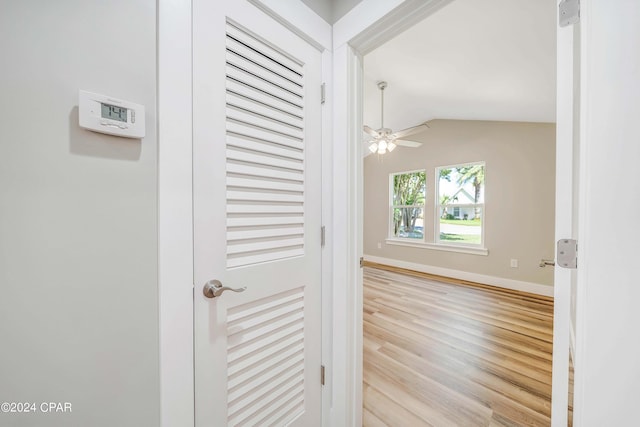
(370,131)
(410,131)
(406,143)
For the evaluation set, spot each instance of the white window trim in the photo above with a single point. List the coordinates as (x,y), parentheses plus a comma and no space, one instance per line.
(392,206)
(436,214)
(460,248)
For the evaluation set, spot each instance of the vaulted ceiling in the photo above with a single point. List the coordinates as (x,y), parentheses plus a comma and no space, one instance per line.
(472,60)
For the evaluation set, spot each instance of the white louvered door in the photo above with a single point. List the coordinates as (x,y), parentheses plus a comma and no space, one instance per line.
(257,192)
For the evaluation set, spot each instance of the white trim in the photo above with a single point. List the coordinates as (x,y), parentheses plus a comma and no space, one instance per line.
(438,246)
(374,22)
(175,227)
(501,282)
(327,262)
(436,222)
(587,102)
(572,341)
(392,207)
(368,25)
(299,18)
(564,226)
(347,330)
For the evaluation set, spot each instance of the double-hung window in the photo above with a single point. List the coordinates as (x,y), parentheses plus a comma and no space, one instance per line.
(460,204)
(407,195)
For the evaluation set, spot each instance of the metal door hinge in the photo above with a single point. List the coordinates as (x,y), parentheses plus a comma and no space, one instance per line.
(323,93)
(322,374)
(361,262)
(568,253)
(569,12)
(322,236)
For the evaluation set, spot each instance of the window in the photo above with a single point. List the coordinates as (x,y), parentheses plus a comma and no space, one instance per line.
(459,216)
(407,191)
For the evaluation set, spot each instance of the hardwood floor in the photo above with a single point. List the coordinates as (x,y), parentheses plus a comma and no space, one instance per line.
(444,354)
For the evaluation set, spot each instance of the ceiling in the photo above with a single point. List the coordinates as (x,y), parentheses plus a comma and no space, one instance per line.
(331,10)
(471,60)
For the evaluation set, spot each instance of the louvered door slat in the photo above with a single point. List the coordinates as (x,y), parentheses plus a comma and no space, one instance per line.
(240,88)
(283,412)
(263,221)
(244,412)
(241,141)
(274,114)
(252,131)
(249,182)
(263,84)
(235,32)
(241,63)
(266,359)
(266,172)
(253,196)
(257,258)
(264,159)
(293,395)
(271,245)
(256,119)
(241,49)
(266,377)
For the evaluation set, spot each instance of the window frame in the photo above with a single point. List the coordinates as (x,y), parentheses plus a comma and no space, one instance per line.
(392,207)
(438,206)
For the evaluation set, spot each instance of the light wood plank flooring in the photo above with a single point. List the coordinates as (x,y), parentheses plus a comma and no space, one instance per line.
(440,353)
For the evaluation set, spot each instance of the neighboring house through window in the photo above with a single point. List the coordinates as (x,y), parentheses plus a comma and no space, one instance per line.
(460,211)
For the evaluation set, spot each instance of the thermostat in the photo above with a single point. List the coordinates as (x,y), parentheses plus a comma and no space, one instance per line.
(104,114)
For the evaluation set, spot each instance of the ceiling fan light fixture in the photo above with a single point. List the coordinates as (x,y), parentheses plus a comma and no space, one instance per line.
(384,138)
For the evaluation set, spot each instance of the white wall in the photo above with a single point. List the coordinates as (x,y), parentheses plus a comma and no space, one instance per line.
(608,347)
(78,229)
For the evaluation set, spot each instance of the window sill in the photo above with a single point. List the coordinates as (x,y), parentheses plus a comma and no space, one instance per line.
(439,247)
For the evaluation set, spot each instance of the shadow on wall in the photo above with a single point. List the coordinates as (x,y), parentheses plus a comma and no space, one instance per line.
(83,142)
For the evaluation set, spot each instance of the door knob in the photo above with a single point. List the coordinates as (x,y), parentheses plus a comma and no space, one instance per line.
(545,262)
(214,288)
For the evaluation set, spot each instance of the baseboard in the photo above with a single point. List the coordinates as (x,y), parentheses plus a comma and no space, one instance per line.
(501,282)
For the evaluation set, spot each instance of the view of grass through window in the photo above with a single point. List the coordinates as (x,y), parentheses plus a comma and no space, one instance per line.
(407,206)
(460,204)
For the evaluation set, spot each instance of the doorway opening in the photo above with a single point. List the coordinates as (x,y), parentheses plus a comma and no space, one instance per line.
(485,84)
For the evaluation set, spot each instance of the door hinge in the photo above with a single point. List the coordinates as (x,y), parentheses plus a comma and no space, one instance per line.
(323,93)
(568,253)
(569,12)
(322,236)
(361,262)
(322,374)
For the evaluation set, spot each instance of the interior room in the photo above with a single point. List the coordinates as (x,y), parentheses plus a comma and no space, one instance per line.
(484,83)
(470,197)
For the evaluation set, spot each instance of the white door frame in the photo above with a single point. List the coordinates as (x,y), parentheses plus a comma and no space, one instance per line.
(366,27)
(370,24)
(175,213)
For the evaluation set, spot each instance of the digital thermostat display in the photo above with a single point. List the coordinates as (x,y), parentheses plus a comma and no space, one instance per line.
(114,112)
(106,114)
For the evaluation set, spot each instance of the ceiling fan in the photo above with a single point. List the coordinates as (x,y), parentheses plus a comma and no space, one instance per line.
(384,139)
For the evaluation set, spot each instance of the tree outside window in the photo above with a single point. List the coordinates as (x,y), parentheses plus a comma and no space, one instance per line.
(461,204)
(407,204)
